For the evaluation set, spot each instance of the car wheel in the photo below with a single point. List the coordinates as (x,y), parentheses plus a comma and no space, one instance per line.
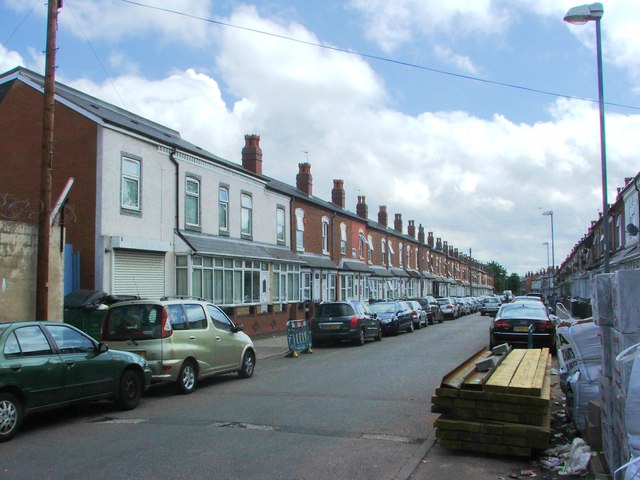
(360,340)
(186,382)
(10,416)
(417,326)
(248,365)
(130,390)
(378,336)
(410,328)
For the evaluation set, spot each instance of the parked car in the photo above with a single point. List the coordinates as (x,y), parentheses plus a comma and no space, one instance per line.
(490,306)
(512,323)
(183,339)
(394,316)
(44,365)
(448,307)
(431,306)
(418,314)
(461,307)
(337,321)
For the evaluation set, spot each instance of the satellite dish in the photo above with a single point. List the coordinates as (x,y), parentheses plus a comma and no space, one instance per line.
(632,230)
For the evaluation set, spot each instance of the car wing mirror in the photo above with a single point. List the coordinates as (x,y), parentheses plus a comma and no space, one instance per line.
(103,347)
(238,328)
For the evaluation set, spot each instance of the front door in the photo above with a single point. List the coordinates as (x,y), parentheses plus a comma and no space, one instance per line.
(265,291)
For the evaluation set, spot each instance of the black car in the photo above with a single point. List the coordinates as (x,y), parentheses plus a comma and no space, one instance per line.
(349,320)
(519,323)
(432,307)
(394,316)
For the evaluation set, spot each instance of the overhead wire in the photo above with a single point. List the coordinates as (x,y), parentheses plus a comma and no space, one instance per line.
(377,57)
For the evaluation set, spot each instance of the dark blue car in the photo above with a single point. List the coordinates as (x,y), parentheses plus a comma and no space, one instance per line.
(394,316)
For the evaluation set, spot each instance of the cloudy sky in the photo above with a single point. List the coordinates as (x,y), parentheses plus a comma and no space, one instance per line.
(469,117)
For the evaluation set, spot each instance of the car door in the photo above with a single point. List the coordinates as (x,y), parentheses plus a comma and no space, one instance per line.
(366,318)
(89,374)
(200,337)
(228,349)
(30,363)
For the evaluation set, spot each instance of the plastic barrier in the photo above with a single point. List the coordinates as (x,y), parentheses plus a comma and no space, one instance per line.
(298,337)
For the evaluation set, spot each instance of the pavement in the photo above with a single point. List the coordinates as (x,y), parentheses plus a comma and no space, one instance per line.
(432,462)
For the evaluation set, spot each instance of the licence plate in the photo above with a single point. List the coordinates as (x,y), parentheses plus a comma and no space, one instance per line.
(333,326)
(521,329)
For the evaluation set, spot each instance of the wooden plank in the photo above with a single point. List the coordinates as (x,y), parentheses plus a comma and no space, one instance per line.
(501,378)
(456,377)
(522,379)
(545,393)
(538,379)
(503,398)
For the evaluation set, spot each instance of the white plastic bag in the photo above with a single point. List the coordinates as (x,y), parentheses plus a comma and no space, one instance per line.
(632,407)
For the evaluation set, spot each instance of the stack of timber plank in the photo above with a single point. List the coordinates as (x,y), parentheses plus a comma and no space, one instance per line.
(505,410)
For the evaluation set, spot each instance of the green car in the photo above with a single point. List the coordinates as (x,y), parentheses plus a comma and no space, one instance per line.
(45,365)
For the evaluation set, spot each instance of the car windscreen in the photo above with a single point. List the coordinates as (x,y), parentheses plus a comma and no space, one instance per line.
(530,312)
(133,322)
(334,310)
(383,307)
(443,301)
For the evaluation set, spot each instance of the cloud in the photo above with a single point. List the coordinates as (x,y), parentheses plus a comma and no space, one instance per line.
(9,59)
(461,62)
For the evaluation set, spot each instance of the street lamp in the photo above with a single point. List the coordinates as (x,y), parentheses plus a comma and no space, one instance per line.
(579,16)
(553,252)
(547,244)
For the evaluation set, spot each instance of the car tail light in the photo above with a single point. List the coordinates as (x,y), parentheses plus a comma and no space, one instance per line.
(501,324)
(165,324)
(414,313)
(354,322)
(546,326)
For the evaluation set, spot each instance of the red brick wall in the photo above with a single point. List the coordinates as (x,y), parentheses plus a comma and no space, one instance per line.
(75,144)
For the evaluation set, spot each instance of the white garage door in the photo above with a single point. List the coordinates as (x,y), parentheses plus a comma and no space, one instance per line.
(139,273)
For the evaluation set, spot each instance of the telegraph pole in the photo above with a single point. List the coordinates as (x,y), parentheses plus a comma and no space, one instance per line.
(46,157)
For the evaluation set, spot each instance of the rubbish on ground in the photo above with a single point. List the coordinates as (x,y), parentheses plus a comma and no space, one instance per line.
(570,459)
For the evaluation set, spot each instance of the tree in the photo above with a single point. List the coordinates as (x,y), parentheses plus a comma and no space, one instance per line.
(499,275)
(514,283)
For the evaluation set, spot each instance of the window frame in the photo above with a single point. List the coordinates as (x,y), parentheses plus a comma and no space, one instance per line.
(223,206)
(248,211)
(125,207)
(196,180)
(281,225)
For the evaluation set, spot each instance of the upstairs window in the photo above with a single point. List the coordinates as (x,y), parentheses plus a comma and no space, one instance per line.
(192,201)
(361,243)
(369,249)
(325,235)
(246,215)
(130,184)
(281,225)
(343,239)
(400,254)
(383,250)
(299,229)
(223,209)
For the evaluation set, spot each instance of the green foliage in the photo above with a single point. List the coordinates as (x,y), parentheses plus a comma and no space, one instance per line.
(502,280)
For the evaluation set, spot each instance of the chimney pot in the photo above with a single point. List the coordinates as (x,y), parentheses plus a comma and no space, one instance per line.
(304,180)
(252,154)
(362,210)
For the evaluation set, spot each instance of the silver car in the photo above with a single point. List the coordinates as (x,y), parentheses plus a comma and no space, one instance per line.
(183,340)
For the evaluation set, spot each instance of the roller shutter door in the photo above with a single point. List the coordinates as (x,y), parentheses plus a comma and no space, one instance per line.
(139,273)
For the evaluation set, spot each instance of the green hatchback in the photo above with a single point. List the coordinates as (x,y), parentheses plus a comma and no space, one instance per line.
(44,365)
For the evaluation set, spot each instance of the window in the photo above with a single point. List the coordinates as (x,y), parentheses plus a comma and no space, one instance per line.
(325,235)
(329,287)
(383,250)
(192,201)
(343,239)
(400,247)
(391,252)
(70,341)
(305,286)
(225,281)
(361,242)
(220,320)
(408,256)
(286,282)
(130,184)
(223,209)
(280,225)
(246,217)
(299,229)
(30,342)
(369,249)
(346,287)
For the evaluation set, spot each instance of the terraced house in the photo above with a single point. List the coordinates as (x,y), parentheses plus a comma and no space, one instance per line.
(152,214)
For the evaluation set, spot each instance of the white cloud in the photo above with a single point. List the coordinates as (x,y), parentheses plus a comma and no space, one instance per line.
(9,59)
(461,62)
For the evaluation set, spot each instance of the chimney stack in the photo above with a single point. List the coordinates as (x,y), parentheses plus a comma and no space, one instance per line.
(361,209)
(421,234)
(397,223)
(383,218)
(337,193)
(430,239)
(304,180)
(411,229)
(252,154)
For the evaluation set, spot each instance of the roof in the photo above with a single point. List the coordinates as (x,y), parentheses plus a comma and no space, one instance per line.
(381,272)
(355,266)
(318,261)
(236,248)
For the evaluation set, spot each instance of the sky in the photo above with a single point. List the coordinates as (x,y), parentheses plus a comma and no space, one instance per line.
(472,118)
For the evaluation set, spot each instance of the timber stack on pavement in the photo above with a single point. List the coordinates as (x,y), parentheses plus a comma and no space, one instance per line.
(505,410)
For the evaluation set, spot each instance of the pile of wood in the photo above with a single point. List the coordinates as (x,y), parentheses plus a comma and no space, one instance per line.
(504,409)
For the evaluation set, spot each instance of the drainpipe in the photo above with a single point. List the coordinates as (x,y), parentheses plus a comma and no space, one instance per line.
(174,149)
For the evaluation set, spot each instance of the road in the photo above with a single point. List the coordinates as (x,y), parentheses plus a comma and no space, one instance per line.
(342,412)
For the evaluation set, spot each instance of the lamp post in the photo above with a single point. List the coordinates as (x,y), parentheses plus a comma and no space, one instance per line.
(547,244)
(579,16)
(553,252)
